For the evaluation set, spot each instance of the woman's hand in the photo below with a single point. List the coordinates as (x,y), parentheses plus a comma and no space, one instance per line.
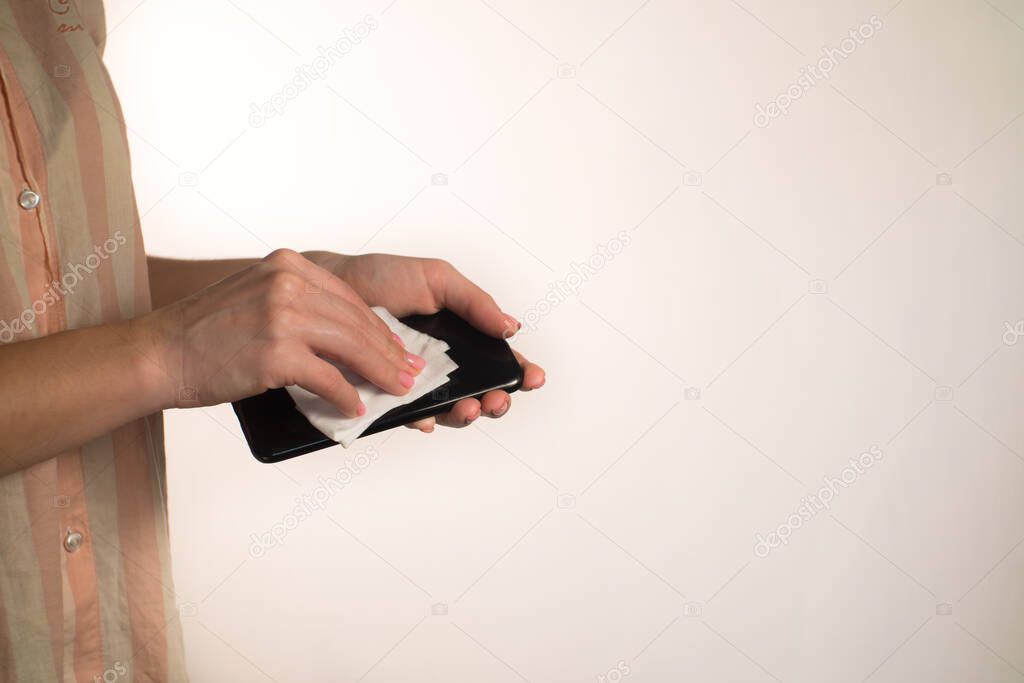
(267,326)
(405,285)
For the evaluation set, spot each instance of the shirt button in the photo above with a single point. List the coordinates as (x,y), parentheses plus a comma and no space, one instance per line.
(73,541)
(28,199)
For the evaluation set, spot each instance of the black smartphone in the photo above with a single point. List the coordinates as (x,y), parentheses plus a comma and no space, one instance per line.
(276,430)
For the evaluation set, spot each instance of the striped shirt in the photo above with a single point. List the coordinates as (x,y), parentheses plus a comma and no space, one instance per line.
(85,582)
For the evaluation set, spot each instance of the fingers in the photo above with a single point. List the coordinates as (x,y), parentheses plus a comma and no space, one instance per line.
(351,346)
(533,374)
(321,280)
(334,309)
(323,379)
(454,291)
(495,403)
(333,321)
(425,425)
(462,414)
(341,289)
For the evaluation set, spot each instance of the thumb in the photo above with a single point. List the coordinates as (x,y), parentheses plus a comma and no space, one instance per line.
(458,294)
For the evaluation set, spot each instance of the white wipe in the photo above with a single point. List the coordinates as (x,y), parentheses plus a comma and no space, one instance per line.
(345,430)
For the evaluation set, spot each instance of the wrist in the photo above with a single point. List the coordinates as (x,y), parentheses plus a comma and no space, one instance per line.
(155,340)
(327,260)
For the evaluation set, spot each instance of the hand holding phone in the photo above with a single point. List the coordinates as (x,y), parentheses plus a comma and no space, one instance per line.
(276,431)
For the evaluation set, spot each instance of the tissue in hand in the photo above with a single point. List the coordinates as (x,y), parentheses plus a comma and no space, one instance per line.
(345,430)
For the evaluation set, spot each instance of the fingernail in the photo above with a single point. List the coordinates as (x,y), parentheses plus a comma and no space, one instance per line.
(361,410)
(415,361)
(501,410)
(406,379)
(512,322)
(398,339)
(468,421)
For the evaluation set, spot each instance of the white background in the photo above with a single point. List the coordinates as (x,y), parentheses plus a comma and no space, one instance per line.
(791,296)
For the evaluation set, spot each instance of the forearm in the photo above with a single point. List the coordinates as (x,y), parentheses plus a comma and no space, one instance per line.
(63,390)
(171,280)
